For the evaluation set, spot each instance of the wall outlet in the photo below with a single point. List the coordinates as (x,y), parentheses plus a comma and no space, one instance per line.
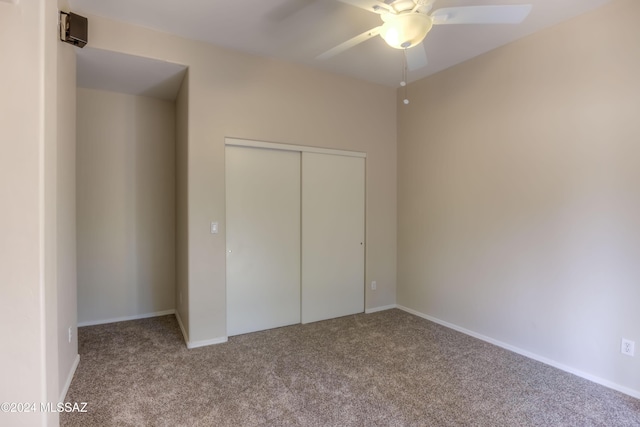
(69,334)
(628,347)
(374,285)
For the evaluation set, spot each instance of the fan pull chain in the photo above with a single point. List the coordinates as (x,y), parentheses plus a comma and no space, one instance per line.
(403,83)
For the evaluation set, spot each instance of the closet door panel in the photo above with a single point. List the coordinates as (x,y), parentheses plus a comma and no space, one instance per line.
(263,239)
(333,206)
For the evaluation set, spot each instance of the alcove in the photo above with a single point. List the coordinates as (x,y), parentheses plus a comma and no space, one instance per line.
(126,194)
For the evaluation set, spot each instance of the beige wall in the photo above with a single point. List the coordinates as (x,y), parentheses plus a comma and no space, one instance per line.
(21,143)
(519,209)
(35,364)
(182,204)
(125,205)
(67,307)
(237,95)
(49,225)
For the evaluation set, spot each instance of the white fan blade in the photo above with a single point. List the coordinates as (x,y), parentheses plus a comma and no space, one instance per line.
(416,57)
(370,5)
(350,43)
(514,14)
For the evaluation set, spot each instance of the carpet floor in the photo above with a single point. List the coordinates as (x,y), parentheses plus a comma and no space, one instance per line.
(383,369)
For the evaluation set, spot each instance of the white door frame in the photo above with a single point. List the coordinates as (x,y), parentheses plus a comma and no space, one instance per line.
(290,147)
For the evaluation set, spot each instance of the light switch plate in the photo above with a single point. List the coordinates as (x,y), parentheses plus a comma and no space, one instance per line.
(214,228)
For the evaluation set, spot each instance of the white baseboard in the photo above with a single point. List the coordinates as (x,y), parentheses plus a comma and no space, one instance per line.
(190,344)
(185,336)
(67,383)
(204,343)
(196,344)
(382,308)
(126,318)
(546,361)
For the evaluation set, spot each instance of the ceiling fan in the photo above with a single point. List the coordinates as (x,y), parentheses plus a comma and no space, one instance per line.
(405,23)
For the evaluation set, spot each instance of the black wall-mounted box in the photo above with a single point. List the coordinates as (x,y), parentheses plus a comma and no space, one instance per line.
(74,29)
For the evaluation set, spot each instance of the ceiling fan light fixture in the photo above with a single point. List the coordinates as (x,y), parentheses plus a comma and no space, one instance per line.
(406,30)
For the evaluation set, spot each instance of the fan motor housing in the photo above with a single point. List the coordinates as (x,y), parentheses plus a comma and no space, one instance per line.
(406,30)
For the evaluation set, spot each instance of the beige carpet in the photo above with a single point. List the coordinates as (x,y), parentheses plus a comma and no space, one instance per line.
(384,369)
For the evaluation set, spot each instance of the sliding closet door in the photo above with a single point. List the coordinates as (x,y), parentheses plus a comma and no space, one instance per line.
(332,236)
(263,239)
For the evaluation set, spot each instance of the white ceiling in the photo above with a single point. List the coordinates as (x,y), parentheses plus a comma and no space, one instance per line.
(119,72)
(299,30)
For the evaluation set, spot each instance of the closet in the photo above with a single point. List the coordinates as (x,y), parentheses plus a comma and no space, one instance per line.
(295,234)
